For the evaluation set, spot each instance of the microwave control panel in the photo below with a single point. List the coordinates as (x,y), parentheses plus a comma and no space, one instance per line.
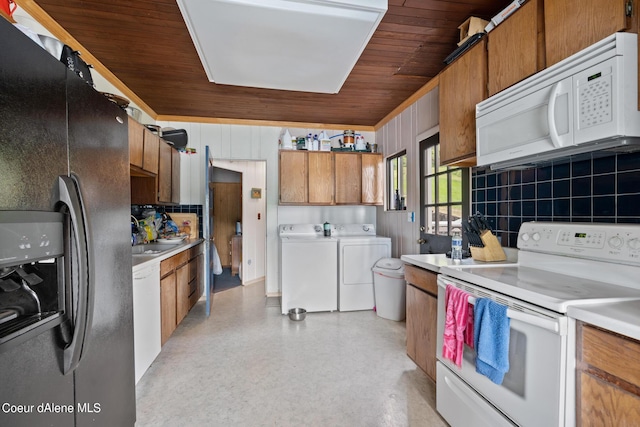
(595,98)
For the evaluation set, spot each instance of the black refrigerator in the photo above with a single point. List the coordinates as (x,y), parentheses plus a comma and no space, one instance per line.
(66,310)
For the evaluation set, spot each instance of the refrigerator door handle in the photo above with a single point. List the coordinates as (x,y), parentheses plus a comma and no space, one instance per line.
(71,197)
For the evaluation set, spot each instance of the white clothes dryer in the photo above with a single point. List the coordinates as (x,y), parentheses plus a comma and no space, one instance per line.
(359,248)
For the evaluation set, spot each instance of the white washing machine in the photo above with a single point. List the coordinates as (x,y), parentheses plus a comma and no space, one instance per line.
(308,268)
(359,248)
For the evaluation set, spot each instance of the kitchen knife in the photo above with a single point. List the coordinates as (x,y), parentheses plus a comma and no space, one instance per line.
(472,235)
(484,224)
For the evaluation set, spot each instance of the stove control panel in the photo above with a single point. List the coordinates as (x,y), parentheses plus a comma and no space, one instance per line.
(613,242)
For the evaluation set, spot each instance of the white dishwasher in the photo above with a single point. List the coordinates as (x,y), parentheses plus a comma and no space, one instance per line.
(146,316)
(308,268)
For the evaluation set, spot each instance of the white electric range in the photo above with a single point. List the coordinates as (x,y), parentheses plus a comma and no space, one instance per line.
(560,265)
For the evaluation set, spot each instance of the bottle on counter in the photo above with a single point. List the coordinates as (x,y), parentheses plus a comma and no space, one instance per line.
(327,229)
(456,246)
(397,200)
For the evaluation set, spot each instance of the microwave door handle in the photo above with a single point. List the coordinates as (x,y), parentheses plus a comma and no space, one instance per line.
(69,195)
(551,116)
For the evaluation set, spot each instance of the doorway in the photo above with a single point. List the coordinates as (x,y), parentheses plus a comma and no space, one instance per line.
(444,198)
(226,187)
(239,223)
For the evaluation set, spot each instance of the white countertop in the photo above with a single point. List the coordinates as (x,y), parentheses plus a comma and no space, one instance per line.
(434,262)
(139,261)
(620,317)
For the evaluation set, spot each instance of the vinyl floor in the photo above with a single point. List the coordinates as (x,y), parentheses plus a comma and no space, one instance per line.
(249,365)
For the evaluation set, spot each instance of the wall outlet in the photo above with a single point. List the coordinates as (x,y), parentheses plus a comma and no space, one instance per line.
(411,216)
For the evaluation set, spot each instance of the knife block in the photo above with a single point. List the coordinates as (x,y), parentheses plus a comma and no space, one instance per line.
(492,250)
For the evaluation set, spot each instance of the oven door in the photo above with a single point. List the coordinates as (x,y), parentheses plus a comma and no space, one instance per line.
(533,390)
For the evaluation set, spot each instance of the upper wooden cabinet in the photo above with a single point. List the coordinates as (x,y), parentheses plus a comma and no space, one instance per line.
(462,85)
(164,173)
(163,187)
(143,149)
(348,179)
(516,47)
(321,177)
(372,179)
(293,177)
(571,26)
(151,151)
(175,177)
(136,143)
(330,178)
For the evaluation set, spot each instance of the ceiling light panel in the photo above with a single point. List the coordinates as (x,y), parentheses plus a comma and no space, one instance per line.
(299,45)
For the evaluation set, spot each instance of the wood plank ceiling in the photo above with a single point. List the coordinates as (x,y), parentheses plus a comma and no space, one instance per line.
(146,45)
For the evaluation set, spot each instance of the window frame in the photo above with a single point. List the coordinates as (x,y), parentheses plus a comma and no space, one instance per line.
(403,186)
(435,201)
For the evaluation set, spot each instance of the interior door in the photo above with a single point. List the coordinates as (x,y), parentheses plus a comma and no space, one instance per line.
(207,230)
(442,198)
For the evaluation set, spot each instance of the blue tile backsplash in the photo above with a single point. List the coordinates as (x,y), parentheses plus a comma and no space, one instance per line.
(596,189)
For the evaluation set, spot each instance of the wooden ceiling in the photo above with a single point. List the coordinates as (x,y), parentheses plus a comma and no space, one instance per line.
(146,45)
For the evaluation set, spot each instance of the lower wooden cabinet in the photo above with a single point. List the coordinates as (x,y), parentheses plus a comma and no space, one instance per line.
(422,306)
(608,378)
(174,276)
(167,307)
(181,286)
(182,293)
(196,274)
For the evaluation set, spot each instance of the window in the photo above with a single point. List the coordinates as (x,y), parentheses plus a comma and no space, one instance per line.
(397,181)
(443,191)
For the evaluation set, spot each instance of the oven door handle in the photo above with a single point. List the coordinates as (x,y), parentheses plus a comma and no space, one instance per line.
(554,325)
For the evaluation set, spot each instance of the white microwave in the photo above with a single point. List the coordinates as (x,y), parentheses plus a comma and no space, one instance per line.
(587,102)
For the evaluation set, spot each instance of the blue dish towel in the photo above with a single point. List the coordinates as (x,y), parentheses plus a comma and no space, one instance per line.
(491,339)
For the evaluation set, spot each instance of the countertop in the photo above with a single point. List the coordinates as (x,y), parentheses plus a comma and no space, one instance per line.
(434,262)
(140,261)
(620,317)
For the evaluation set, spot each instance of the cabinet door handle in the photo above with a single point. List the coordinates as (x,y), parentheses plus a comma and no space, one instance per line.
(422,241)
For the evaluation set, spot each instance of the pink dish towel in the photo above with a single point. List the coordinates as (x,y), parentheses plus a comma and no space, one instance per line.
(458,326)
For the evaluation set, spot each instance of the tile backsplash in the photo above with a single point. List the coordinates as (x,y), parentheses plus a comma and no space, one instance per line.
(595,189)
(196,209)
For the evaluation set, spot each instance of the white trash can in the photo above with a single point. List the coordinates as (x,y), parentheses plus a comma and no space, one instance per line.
(390,288)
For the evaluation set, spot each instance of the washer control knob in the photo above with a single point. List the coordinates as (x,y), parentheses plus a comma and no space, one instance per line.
(634,243)
(525,237)
(615,242)
(536,236)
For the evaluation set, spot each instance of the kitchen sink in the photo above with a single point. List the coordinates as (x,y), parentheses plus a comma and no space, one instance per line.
(153,249)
